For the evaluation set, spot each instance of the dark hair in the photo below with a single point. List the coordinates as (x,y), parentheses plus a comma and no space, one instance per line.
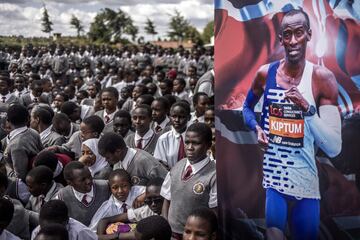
(43,114)
(70,167)
(54,230)
(17,115)
(208,215)
(46,158)
(197,95)
(164,102)
(147,109)
(63,95)
(171,99)
(123,114)
(54,211)
(59,117)
(95,123)
(146,99)
(183,105)
(181,81)
(293,12)
(36,81)
(85,93)
(142,87)
(158,181)
(4,181)
(7,211)
(202,129)
(110,142)
(68,108)
(41,174)
(4,75)
(154,227)
(122,174)
(111,90)
(168,82)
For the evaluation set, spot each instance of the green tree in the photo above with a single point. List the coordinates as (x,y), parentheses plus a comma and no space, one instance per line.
(193,34)
(208,32)
(178,26)
(46,22)
(75,23)
(150,28)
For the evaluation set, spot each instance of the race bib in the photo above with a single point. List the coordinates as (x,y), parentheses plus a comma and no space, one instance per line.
(286,125)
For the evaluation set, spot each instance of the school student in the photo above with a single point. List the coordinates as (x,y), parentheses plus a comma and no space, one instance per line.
(191,183)
(153,228)
(160,108)
(41,119)
(170,147)
(144,137)
(122,198)
(63,125)
(56,211)
(139,164)
(97,164)
(201,224)
(7,211)
(200,103)
(179,89)
(122,123)
(109,99)
(153,205)
(83,195)
(53,231)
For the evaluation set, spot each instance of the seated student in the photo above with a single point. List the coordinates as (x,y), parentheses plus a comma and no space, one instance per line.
(146,99)
(19,224)
(160,108)
(122,198)
(109,99)
(130,103)
(153,228)
(144,137)
(191,183)
(153,205)
(20,85)
(22,145)
(90,127)
(200,103)
(122,123)
(83,195)
(41,186)
(7,212)
(63,125)
(209,116)
(41,119)
(55,211)
(97,164)
(59,99)
(6,98)
(139,164)
(201,223)
(170,147)
(75,112)
(53,231)
(35,96)
(55,161)
(179,89)
(166,87)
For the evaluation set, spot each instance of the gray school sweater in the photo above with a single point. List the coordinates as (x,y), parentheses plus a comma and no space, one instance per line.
(53,139)
(144,167)
(150,147)
(19,224)
(78,210)
(21,150)
(188,195)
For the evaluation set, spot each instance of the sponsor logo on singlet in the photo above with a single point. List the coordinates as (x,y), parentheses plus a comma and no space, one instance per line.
(286,125)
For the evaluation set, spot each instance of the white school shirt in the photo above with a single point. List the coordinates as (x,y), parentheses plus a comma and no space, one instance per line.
(167,147)
(184,95)
(166,186)
(113,206)
(76,231)
(7,96)
(136,215)
(145,139)
(111,116)
(194,117)
(44,134)
(79,196)
(162,124)
(6,235)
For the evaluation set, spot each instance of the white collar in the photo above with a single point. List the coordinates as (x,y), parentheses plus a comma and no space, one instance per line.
(58,170)
(197,166)
(146,136)
(128,158)
(16,132)
(7,96)
(71,131)
(177,134)
(44,134)
(79,196)
(49,194)
(163,123)
(111,116)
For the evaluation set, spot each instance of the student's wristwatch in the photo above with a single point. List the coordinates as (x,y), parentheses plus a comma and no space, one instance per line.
(310,111)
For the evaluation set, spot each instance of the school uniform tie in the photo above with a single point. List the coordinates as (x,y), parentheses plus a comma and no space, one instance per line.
(123,207)
(181,151)
(107,119)
(188,173)
(84,200)
(158,129)
(36,100)
(3,99)
(139,143)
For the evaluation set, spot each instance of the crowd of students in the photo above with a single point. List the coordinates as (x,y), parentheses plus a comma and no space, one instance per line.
(103,143)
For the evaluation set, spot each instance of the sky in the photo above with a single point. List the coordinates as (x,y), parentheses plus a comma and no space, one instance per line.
(23,17)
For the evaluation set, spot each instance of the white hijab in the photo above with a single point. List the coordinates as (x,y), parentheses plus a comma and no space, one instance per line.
(100,161)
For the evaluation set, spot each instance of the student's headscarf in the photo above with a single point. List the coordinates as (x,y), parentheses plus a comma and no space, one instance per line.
(100,161)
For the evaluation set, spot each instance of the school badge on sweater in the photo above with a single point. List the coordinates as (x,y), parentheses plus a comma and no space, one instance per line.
(198,188)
